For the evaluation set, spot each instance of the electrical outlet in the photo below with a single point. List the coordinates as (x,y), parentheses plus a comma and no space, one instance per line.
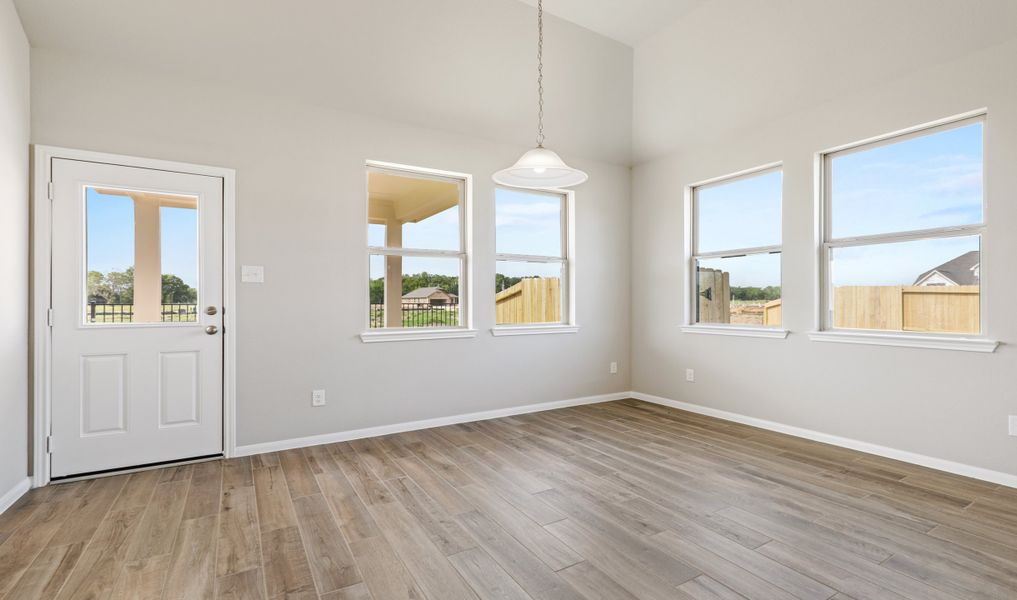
(1013,425)
(690,375)
(318,398)
(614,368)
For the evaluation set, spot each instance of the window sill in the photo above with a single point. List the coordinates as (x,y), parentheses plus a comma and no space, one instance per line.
(760,332)
(906,340)
(409,335)
(533,329)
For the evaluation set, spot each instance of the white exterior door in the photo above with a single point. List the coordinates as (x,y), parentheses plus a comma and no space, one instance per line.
(137,352)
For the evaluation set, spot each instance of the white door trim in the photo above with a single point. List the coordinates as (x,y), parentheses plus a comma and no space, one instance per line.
(41,281)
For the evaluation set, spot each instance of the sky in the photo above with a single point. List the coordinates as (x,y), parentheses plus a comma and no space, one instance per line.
(921,183)
(110,236)
(525,223)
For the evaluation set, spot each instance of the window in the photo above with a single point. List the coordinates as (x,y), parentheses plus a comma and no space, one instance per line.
(902,232)
(417,251)
(735,252)
(532,270)
(141,257)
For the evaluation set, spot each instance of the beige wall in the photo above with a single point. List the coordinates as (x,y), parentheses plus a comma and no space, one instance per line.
(944,404)
(14,123)
(302,213)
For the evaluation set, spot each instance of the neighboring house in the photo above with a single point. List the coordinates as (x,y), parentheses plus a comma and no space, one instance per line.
(433,296)
(963,270)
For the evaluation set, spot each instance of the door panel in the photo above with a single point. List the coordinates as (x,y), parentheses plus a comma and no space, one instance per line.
(137,257)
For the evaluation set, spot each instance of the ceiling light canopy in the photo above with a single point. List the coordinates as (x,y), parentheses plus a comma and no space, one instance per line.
(540,167)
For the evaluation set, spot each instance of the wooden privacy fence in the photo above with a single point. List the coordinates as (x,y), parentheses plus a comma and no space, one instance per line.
(714,296)
(773,313)
(532,300)
(943,309)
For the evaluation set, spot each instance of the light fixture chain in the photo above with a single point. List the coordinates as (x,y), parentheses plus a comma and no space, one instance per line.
(540,73)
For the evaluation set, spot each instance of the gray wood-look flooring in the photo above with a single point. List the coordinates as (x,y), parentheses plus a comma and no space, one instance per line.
(613,501)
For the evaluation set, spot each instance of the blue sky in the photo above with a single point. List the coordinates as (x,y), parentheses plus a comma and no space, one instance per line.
(110,236)
(921,183)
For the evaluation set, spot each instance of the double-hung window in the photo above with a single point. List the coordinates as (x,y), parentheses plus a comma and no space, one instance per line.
(418,253)
(903,226)
(733,238)
(533,267)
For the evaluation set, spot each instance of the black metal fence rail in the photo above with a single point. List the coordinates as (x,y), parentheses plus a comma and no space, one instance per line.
(124,313)
(418,315)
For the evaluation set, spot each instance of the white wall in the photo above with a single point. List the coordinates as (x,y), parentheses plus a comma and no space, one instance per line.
(302,214)
(462,66)
(14,123)
(944,404)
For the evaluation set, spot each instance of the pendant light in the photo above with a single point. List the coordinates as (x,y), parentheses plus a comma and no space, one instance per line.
(540,167)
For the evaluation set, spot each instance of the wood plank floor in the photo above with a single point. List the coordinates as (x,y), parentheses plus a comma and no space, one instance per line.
(613,501)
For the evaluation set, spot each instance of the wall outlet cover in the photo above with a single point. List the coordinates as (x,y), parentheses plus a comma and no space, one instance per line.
(318,398)
(690,375)
(614,367)
(1013,424)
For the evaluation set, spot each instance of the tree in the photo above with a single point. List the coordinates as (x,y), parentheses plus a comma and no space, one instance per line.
(378,291)
(96,288)
(175,291)
(757,294)
(121,286)
(504,282)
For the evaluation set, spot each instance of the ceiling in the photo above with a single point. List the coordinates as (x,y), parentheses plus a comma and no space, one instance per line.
(627,21)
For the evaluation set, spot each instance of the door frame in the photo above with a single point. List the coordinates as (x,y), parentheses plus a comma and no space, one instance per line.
(41,273)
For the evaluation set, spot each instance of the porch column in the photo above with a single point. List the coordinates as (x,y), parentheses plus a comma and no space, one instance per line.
(394,275)
(147,260)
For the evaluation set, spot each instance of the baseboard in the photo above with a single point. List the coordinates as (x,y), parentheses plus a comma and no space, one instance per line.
(11,496)
(356,434)
(997,477)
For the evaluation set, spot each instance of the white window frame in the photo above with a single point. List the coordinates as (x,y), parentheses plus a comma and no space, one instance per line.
(692,255)
(464,254)
(566,260)
(826,244)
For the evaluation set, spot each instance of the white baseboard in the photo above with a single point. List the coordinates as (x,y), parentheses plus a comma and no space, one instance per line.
(356,434)
(939,464)
(11,496)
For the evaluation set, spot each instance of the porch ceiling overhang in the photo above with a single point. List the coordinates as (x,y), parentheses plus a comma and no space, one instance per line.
(408,199)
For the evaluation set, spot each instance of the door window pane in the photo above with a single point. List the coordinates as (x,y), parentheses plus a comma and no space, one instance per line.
(925,182)
(740,213)
(528,222)
(741,290)
(528,292)
(422,292)
(141,253)
(926,285)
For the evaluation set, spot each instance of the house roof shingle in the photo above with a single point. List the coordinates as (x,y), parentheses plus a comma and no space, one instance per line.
(960,270)
(424,292)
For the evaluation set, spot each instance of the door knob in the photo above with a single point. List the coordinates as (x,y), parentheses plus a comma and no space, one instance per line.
(211,310)
(211,330)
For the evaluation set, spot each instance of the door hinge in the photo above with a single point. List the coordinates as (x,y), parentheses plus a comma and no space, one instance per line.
(49,444)
(49,190)
(49,317)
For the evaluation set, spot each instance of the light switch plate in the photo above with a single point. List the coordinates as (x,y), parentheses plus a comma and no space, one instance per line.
(252,274)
